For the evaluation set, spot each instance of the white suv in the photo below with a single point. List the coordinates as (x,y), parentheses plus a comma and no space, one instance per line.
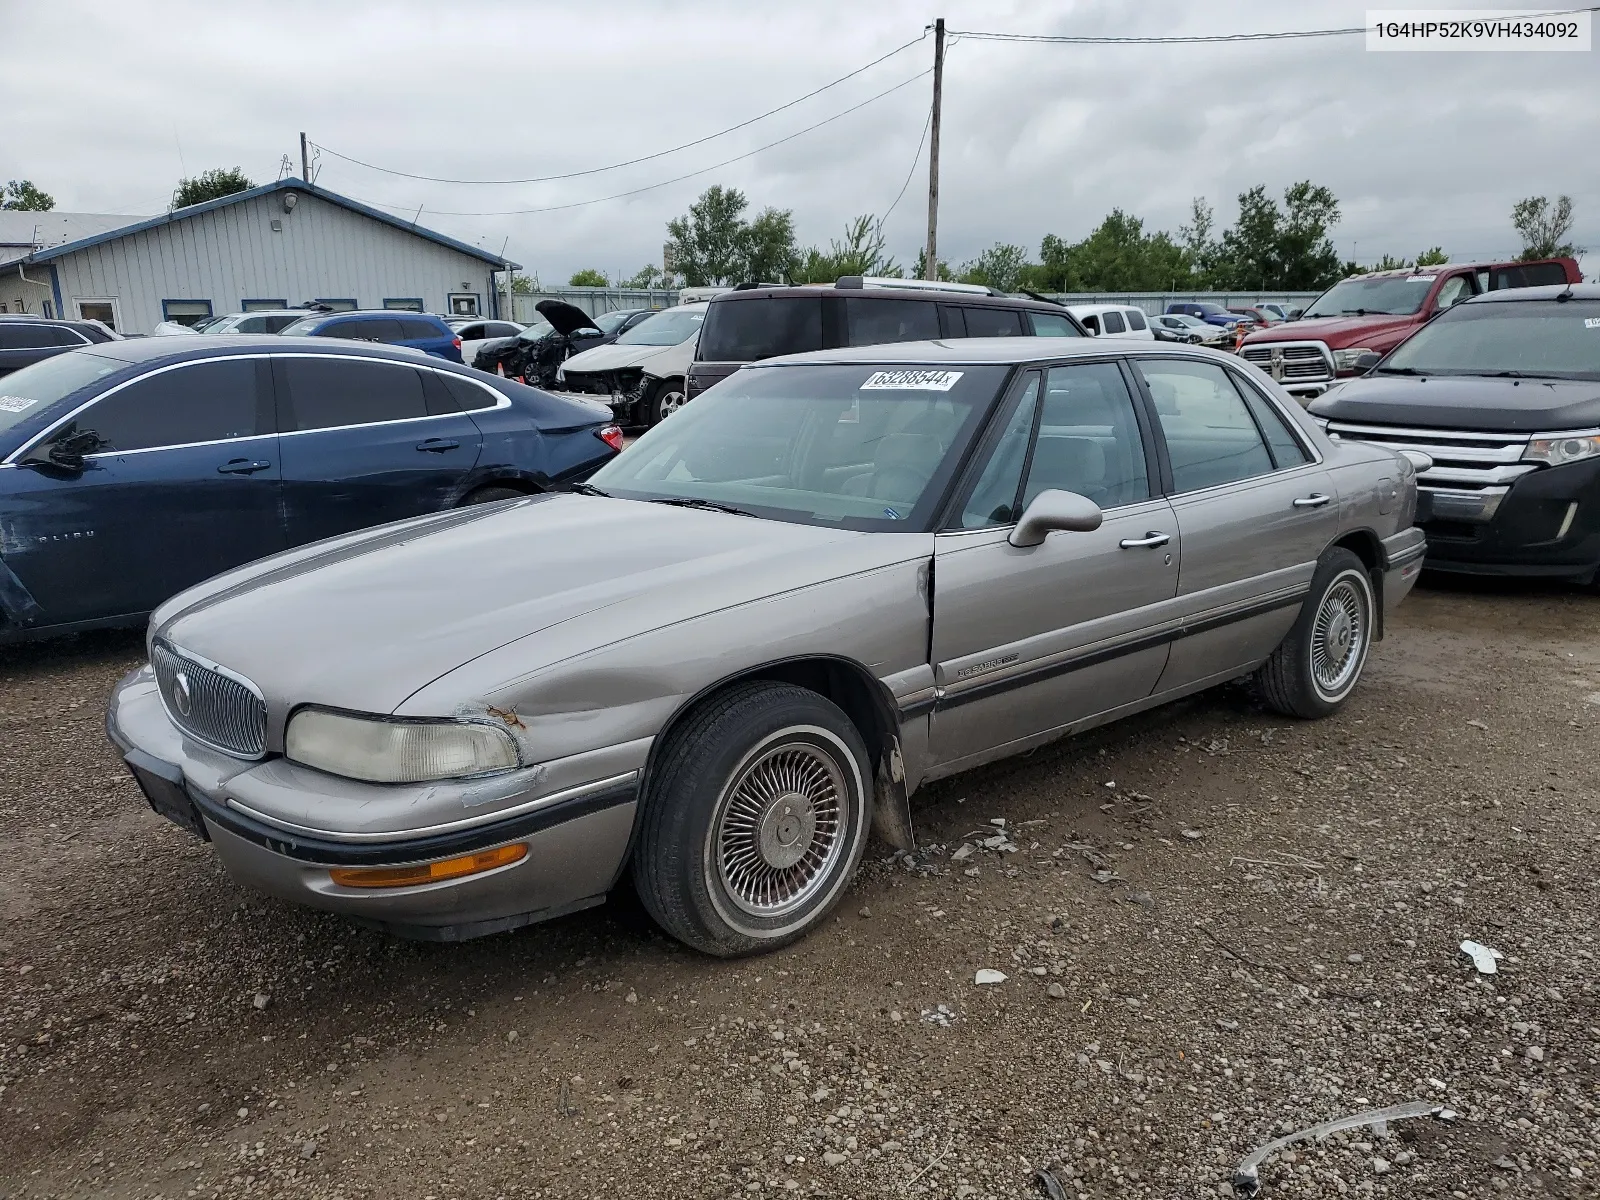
(640,375)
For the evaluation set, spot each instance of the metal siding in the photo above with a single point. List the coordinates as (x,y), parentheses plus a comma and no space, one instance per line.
(230,253)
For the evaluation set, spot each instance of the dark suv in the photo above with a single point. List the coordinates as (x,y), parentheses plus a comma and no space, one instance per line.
(389,326)
(751,323)
(25,340)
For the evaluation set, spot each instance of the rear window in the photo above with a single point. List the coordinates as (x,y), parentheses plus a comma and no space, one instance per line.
(993,322)
(1136,319)
(748,330)
(1053,325)
(1527,275)
(872,322)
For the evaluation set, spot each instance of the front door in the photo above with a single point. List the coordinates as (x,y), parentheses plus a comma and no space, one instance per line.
(1255,511)
(365,441)
(1027,641)
(185,486)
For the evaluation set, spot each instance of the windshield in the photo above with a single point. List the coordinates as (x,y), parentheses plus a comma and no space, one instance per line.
(1534,338)
(608,322)
(28,392)
(1388,296)
(670,328)
(540,328)
(861,446)
(222,324)
(304,327)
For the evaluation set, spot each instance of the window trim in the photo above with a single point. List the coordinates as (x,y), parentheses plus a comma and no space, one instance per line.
(278,305)
(113,302)
(166,308)
(501,401)
(404,304)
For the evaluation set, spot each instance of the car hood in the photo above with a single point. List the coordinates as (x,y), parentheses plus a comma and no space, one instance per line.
(365,621)
(1338,332)
(1465,402)
(612,357)
(566,318)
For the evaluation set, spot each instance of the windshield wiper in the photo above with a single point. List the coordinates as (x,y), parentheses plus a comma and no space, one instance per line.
(695,502)
(587,489)
(1520,375)
(1400,371)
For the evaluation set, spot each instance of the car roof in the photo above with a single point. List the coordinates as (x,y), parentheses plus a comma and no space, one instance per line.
(1550,291)
(31,319)
(930,295)
(983,351)
(183,346)
(378,312)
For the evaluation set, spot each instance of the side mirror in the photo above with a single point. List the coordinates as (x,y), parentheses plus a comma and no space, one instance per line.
(1294,313)
(1052,510)
(1365,362)
(67,451)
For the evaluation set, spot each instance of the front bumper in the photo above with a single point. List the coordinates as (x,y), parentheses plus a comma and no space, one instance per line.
(1545,523)
(1403,555)
(283,829)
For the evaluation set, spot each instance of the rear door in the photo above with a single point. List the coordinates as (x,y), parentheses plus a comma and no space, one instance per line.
(1029,640)
(366,441)
(874,320)
(1255,511)
(185,487)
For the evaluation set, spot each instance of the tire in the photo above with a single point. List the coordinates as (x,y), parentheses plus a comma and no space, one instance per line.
(1318,664)
(666,398)
(731,857)
(489,495)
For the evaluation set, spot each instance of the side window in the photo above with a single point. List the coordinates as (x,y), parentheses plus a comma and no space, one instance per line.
(994,496)
(1052,325)
(329,393)
(1456,289)
(26,337)
(251,325)
(1136,319)
(200,402)
(1089,439)
(875,322)
(469,397)
(1287,450)
(1092,324)
(412,330)
(993,322)
(473,333)
(1113,320)
(1211,437)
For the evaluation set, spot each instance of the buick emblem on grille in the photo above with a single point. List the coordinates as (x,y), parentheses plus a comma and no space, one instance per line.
(1276,365)
(181,699)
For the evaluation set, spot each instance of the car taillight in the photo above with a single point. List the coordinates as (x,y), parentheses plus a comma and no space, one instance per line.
(611,435)
(458,343)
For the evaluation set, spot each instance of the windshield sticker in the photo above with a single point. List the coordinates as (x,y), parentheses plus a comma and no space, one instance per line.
(24,403)
(892,515)
(1591,322)
(1421,278)
(911,381)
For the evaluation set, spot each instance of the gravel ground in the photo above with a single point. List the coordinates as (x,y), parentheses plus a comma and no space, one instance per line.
(1217,926)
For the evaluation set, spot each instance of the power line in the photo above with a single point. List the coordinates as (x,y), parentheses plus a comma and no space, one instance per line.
(646,158)
(882,221)
(523,212)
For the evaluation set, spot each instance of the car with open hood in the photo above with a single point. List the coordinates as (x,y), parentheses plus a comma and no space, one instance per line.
(535,354)
(1502,391)
(749,638)
(642,374)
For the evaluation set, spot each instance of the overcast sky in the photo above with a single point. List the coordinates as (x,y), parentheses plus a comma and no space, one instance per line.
(107,105)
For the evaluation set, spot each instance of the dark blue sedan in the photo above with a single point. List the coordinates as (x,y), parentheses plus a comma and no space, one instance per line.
(133,469)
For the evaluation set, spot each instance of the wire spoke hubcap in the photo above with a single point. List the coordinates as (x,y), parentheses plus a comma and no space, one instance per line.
(1338,637)
(781,829)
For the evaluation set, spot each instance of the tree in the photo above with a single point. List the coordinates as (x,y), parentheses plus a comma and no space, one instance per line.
(1388,263)
(1199,247)
(1287,249)
(920,269)
(860,253)
(648,276)
(709,242)
(588,277)
(210,185)
(1118,256)
(523,285)
(1001,267)
(1542,226)
(769,250)
(19,195)
(1435,257)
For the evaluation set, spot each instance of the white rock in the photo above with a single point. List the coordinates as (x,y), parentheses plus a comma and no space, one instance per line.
(1380,1165)
(1056,991)
(308,1149)
(261,1001)
(1534,1053)
(989,975)
(834,1159)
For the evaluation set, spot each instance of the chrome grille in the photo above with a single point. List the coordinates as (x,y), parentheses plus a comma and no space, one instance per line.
(1292,362)
(1462,459)
(210,703)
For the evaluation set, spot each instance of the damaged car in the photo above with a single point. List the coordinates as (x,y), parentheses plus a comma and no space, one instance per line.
(133,469)
(747,640)
(640,375)
(535,354)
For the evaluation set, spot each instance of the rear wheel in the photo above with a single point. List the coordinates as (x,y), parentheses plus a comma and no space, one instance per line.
(667,398)
(1317,666)
(755,820)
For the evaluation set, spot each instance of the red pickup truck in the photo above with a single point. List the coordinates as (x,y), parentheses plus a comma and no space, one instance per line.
(1375,313)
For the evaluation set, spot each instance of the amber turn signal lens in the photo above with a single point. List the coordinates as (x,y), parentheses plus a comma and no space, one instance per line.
(450,868)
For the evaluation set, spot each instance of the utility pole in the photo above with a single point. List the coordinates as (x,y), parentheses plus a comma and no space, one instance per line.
(305,167)
(931,264)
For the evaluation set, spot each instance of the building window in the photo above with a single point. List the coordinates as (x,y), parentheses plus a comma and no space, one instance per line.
(262,305)
(185,312)
(97,308)
(463,304)
(339,305)
(406,304)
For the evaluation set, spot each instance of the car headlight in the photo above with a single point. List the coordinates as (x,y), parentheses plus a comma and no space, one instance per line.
(1559,449)
(1345,360)
(387,750)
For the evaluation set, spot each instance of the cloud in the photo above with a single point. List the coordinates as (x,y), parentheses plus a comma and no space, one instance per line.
(108,105)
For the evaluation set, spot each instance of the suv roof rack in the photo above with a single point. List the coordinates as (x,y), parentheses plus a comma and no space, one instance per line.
(925,285)
(750,286)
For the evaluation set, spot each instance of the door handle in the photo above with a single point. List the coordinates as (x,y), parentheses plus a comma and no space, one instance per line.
(243,466)
(1149,541)
(438,445)
(1315,500)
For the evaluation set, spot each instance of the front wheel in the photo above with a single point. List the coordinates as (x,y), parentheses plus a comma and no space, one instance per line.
(667,398)
(1316,667)
(755,820)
